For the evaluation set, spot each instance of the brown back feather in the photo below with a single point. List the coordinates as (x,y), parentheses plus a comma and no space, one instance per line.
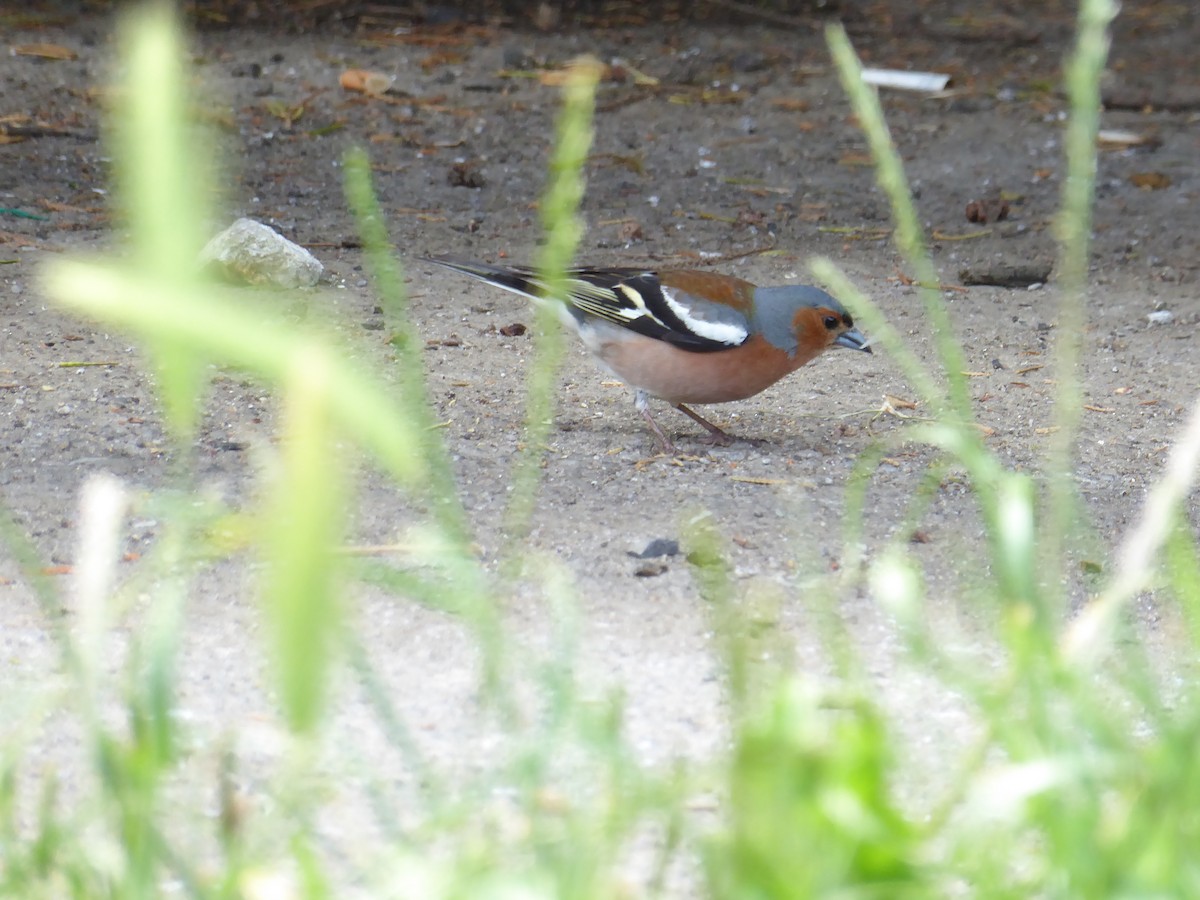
(711,286)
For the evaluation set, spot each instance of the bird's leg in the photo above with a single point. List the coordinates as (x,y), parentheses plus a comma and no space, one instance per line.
(640,400)
(715,434)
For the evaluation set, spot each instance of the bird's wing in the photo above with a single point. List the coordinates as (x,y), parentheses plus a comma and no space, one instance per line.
(659,306)
(666,307)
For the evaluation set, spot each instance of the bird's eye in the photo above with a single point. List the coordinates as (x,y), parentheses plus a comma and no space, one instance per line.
(831,322)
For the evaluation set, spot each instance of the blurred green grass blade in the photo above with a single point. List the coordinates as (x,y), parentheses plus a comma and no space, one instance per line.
(898,586)
(163,184)
(377,692)
(1091,632)
(160,645)
(1016,538)
(33,569)
(303,530)
(413,396)
(565,188)
(882,333)
(910,239)
(702,543)
(413,586)
(226,329)
(1183,573)
(384,266)
(103,507)
(463,589)
(161,164)
(1006,501)
(1083,72)
(1074,224)
(563,228)
(314,885)
(810,807)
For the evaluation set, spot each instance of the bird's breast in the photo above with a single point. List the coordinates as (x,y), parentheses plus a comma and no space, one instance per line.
(681,376)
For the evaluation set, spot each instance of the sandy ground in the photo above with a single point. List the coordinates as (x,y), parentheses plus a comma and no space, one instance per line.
(747,145)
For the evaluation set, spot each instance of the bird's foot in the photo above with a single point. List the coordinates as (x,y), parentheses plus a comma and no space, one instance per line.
(665,447)
(716,437)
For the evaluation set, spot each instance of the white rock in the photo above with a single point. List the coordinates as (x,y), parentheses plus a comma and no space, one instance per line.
(251,253)
(1161,317)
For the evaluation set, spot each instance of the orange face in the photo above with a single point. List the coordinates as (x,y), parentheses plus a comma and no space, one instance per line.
(820,327)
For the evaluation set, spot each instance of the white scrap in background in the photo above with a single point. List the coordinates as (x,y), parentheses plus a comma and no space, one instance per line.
(1115,138)
(902,80)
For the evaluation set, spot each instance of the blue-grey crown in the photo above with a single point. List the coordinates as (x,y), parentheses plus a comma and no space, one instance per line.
(775,309)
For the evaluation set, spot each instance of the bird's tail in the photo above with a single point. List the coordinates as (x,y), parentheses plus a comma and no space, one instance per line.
(518,279)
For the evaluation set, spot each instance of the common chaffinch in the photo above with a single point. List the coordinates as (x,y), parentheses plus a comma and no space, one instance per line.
(687,336)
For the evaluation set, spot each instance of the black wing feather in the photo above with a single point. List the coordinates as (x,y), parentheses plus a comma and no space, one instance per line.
(630,298)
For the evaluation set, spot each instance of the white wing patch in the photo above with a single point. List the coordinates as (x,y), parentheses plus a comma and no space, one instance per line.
(725,332)
(639,304)
(620,303)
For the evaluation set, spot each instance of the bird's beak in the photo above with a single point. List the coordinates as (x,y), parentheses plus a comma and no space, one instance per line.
(854,340)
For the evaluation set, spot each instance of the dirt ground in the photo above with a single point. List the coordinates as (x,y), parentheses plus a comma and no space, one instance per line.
(746,145)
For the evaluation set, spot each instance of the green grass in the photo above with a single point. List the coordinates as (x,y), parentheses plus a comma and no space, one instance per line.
(1080,781)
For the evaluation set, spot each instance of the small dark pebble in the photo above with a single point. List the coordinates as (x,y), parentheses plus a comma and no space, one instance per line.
(443,14)
(516,329)
(465,174)
(650,569)
(991,209)
(517,58)
(631,232)
(748,61)
(658,547)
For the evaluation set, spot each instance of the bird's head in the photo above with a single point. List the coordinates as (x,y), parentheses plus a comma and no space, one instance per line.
(804,319)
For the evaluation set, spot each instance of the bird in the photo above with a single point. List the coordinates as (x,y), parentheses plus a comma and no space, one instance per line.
(685,336)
